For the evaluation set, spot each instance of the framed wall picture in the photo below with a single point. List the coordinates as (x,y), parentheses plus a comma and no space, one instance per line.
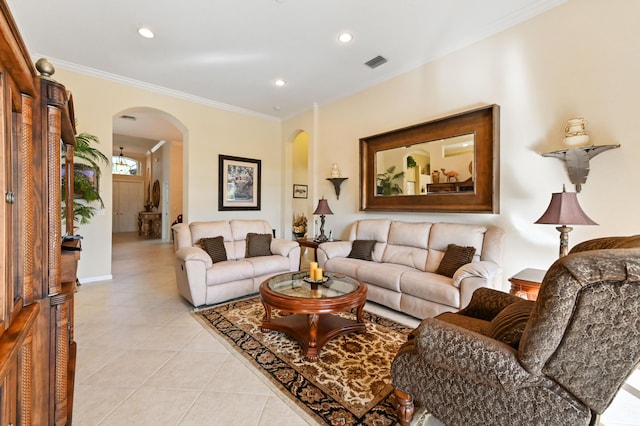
(299,191)
(85,180)
(238,183)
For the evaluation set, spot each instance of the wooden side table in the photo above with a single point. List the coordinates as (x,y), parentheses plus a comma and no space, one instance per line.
(526,283)
(304,242)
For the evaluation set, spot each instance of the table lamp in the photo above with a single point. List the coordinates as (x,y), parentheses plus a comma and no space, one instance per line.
(322,209)
(564,210)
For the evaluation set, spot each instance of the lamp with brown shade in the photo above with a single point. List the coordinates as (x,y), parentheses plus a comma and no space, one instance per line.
(322,209)
(564,210)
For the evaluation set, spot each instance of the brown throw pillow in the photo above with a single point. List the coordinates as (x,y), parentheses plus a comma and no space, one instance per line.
(215,248)
(509,324)
(362,249)
(258,245)
(455,257)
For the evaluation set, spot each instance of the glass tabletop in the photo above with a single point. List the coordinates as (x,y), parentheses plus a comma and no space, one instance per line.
(294,285)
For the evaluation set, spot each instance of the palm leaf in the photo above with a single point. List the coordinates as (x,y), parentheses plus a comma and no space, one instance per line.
(90,158)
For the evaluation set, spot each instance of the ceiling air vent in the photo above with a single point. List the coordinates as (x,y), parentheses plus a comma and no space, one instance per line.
(375,62)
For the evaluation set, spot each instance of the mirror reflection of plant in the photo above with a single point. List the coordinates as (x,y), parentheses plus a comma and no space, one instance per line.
(386,182)
(84,188)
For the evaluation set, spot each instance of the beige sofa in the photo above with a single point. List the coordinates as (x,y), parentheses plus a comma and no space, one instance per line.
(203,282)
(402,272)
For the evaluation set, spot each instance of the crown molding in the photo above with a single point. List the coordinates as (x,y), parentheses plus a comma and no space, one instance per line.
(70,66)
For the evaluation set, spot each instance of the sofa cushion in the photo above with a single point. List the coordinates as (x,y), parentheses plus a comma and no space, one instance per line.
(384,275)
(264,265)
(429,286)
(344,265)
(200,230)
(362,249)
(407,244)
(454,258)
(258,245)
(442,234)
(510,323)
(372,229)
(215,248)
(229,271)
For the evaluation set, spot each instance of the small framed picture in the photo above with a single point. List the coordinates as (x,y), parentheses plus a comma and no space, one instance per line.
(238,183)
(299,191)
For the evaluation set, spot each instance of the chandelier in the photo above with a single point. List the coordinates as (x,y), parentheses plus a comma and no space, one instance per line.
(121,167)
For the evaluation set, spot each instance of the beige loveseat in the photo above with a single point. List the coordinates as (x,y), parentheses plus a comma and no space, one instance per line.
(203,282)
(402,273)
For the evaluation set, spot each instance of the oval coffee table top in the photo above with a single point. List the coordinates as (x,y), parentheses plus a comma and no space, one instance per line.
(295,284)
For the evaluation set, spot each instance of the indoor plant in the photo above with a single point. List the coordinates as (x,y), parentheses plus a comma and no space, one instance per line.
(299,225)
(86,175)
(386,184)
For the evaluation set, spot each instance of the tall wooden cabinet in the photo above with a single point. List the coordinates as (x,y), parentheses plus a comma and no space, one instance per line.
(37,350)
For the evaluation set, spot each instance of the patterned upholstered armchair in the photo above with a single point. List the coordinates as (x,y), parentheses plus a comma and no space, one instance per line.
(580,340)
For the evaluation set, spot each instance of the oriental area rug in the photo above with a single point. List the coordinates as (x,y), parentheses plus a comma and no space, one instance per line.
(350,384)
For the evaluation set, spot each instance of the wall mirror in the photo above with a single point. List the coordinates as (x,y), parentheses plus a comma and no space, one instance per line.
(450,164)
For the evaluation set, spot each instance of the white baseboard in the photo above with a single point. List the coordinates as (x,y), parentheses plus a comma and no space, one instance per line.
(87,280)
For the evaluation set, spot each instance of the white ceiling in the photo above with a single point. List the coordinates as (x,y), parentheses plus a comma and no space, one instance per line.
(228,52)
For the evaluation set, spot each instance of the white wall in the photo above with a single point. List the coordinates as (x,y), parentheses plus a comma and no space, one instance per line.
(209,131)
(300,175)
(176,187)
(577,60)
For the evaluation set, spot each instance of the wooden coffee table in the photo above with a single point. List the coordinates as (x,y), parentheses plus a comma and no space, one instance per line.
(311,322)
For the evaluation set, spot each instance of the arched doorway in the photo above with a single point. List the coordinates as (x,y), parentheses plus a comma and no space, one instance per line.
(154,139)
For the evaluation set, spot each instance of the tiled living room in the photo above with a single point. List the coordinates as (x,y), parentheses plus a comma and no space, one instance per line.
(160,366)
(452,157)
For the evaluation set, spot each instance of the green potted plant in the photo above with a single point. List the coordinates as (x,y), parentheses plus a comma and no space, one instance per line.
(86,174)
(411,162)
(386,184)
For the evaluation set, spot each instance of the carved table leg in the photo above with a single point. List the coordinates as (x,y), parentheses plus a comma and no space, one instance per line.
(404,407)
(359,313)
(267,318)
(312,350)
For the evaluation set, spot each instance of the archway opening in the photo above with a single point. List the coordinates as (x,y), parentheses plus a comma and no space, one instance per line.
(150,200)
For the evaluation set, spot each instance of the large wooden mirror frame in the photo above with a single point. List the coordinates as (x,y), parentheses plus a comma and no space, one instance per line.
(479,192)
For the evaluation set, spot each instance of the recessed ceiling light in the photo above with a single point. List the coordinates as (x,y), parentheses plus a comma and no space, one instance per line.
(345,37)
(279,82)
(145,32)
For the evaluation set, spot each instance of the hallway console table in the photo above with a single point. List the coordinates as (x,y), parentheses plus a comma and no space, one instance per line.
(149,224)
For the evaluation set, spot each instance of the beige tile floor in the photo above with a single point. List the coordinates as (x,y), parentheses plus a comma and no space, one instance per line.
(144,360)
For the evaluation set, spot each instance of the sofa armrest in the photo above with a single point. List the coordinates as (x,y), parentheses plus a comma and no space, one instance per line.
(283,247)
(331,249)
(289,249)
(181,236)
(193,253)
(486,303)
(470,354)
(482,269)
